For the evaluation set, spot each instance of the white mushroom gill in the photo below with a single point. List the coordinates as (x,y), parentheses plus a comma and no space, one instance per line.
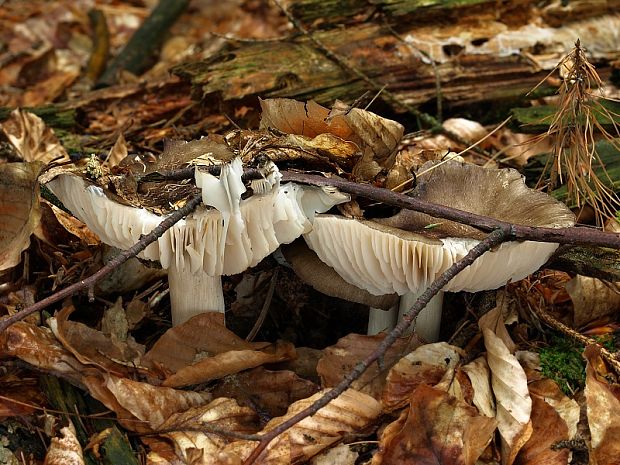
(196,251)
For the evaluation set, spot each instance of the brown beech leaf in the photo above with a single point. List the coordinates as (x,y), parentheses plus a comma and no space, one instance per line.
(603,406)
(37,346)
(339,455)
(437,428)
(514,404)
(189,429)
(592,299)
(548,428)
(66,450)
(269,392)
(305,119)
(19,209)
(179,352)
(338,360)
(21,394)
(92,347)
(351,412)
(425,365)
(32,139)
(58,227)
(480,378)
(567,408)
(141,406)
(117,153)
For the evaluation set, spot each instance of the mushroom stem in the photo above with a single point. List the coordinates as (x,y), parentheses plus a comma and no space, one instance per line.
(193,293)
(381,320)
(428,322)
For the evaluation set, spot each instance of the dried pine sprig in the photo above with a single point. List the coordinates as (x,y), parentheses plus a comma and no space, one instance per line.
(573,131)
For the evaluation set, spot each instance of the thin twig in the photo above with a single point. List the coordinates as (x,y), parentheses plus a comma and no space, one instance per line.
(265,309)
(121,258)
(496,237)
(574,235)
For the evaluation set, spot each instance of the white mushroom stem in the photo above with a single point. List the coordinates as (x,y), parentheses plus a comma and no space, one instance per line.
(381,320)
(428,322)
(193,293)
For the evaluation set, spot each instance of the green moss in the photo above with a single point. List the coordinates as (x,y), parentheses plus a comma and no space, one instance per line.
(562,362)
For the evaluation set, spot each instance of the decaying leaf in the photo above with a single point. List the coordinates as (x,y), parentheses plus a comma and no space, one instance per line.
(269,392)
(202,349)
(549,427)
(92,347)
(514,404)
(338,360)
(21,394)
(60,228)
(352,411)
(19,209)
(480,378)
(32,139)
(117,153)
(425,365)
(65,450)
(339,455)
(568,409)
(437,428)
(592,299)
(38,347)
(603,405)
(141,406)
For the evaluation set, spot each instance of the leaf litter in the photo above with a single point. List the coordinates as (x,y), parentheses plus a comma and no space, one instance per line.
(181,389)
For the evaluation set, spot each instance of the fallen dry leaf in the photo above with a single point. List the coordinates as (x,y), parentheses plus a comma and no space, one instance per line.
(268,392)
(92,347)
(117,153)
(548,428)
(61,228)
(21,394)
(338,360)
(32,139)
(567,408)
(425,365)
(339,455)
(350,412)
(437,428)
(189,430)
(514,404)
(19,210)
(480,377)
(202,349)
(65,450)
(141,406)
(38,347)
(603,406)
(592,299)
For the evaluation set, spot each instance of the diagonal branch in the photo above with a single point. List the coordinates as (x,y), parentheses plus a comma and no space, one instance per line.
(496,237)
(122,257)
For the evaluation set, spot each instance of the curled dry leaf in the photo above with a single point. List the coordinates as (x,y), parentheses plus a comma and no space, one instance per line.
(514,404)
(269,392)
(189,430)
(141,406)
(38,347)
(339,455)
(32,139)
(65,450)
(61,228)
(592,299)
(549,426)
(92,347)
(202,349)
(117,153)
(338,360)
(425,365)
(350,412)
(603,406)
(21,394)
(19,209)
(480,378)
(436,428)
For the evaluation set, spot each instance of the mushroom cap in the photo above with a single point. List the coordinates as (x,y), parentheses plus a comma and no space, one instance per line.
(384,258)
(225,241)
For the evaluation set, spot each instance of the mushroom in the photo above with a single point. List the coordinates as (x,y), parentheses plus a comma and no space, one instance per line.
(405,253)
(210,242)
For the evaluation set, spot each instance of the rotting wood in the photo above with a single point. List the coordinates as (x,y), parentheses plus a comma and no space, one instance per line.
(481,65)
